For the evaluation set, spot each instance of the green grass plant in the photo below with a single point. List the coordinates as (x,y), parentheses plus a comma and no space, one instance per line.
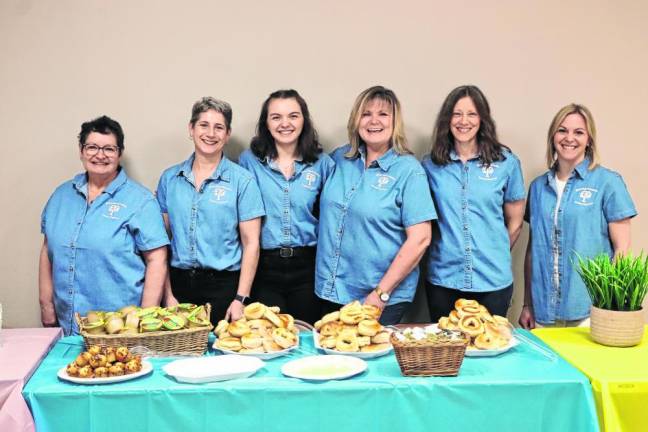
(619,285)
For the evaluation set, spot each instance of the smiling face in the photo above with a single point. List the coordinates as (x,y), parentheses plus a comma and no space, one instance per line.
(209,133)
(571,139)
(285,121)
(465,121)
(100,163)
(376,123)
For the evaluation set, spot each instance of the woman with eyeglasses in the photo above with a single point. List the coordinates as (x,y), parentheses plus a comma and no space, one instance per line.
(104,241)
(212,208)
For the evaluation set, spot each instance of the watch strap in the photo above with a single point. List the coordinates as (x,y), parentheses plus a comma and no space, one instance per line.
(243,299)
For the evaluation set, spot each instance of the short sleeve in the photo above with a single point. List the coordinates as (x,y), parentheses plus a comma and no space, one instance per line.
(161,193)
(617,203)
(515,182)
(417,205)
(527,208)
(244,160)
(328,166)
(43,222)
(147,227)
(250,204)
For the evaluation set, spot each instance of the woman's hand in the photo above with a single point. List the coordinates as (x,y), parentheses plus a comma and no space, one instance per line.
(374,300)
(527,320)
(48,315)
(234,311)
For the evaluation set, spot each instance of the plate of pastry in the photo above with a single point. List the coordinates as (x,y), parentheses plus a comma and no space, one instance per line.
(146,368)
(213,368)
(324,368)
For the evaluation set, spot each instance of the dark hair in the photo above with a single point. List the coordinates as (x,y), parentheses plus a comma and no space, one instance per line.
(263,144)
(103,125)
(490,149)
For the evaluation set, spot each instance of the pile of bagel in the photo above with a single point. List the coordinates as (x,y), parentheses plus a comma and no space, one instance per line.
(486,331)
(263,329)
(354,328)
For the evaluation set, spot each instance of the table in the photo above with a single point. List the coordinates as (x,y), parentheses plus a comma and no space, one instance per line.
(519,390)
(619,376)
(21,351)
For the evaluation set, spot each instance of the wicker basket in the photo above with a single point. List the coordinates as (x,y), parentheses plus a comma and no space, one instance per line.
(165,343)
(425,358)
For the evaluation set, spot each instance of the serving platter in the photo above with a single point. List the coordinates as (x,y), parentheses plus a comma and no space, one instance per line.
(213,368)
(324,368)
(361,355)
(147,368)
(475,352)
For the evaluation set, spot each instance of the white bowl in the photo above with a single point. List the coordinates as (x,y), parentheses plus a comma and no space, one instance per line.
(210,369)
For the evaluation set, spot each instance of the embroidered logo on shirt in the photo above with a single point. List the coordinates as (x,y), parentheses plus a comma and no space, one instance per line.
(310,179)
(488,172)
(585,196)
(383,182)
(219,194)
(112,210)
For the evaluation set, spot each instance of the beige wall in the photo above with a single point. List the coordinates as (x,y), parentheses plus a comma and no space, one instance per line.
(146,62)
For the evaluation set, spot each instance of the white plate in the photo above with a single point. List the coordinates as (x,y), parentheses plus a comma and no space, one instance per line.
(362,355)
(324,368)
(147,367)
(214,368)
(262,356)
(487,353)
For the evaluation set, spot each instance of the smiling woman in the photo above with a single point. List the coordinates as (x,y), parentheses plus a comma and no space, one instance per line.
(212,209)
(100,226)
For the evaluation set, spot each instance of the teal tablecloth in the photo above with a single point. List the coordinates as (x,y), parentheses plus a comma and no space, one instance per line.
(521,390)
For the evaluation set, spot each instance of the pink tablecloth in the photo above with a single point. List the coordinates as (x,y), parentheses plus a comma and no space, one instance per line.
(21,351)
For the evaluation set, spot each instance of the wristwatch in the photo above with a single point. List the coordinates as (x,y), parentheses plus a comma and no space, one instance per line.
(383,296)
(243,299)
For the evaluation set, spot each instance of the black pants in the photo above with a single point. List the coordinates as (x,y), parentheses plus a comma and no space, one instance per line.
(441,300)
(202,286)
(288,282)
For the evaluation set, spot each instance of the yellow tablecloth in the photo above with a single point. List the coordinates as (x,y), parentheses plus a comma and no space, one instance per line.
(619,376)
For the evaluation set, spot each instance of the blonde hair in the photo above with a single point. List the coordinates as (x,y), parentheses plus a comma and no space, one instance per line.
(590,151)
(398,140)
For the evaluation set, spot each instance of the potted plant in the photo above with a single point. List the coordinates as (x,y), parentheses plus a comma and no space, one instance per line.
(617,289)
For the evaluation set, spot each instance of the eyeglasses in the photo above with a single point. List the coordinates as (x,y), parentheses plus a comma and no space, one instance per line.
(93,149)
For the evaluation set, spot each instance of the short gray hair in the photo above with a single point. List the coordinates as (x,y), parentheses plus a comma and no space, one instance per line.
(209,103)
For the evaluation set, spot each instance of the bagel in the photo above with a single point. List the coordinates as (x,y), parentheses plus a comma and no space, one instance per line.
(443,323)
(453,317)
(501,320)
(369,327)
(486,341)
(259,324)
(318,324)
(364,341)
(471,325)
(331,317)
(274,309)
(498,330)
(347,343)
(238,328)
(380,338)
(331,329)
(465,302)
(287,320)
(328,342)
(349,328)
(229,343)
(221,327)
(251,341)
(270,345)
(469,310)
(284,338)
(254,310)
(271,316)
(371,311)
(375,347)
(351,316)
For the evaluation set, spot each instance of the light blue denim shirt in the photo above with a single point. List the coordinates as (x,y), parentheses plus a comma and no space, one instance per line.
(204,223)
(363,216)
(95,249)
(590,201)
(291,219)
(471,252)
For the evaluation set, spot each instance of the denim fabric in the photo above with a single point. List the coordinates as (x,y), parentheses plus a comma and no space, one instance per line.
(364,214)
(471,251)
(291,219)
(204,223)
(590,201)
(95,249)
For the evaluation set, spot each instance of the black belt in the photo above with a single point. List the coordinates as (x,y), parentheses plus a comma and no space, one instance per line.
(196,272)
(288,252)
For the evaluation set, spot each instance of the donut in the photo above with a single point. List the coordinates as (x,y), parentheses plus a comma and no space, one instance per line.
(254,310)
(284,338)
(330,329)
(469,310)
(221,327)
(369,327)
(371,311)
(453,317)
(251,341)
(374,347)
(238,328)
(229,343)
(380,338)
(465,302)
(331,317)
(486,341)
(471,325)
(347,343)
(271,316)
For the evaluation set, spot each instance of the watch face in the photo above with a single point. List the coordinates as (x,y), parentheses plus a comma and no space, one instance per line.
(384,297)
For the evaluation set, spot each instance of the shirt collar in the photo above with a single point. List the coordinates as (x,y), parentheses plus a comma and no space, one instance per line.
(455,157)
(581,170)
(81,182)
(384,161)
(222,171)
